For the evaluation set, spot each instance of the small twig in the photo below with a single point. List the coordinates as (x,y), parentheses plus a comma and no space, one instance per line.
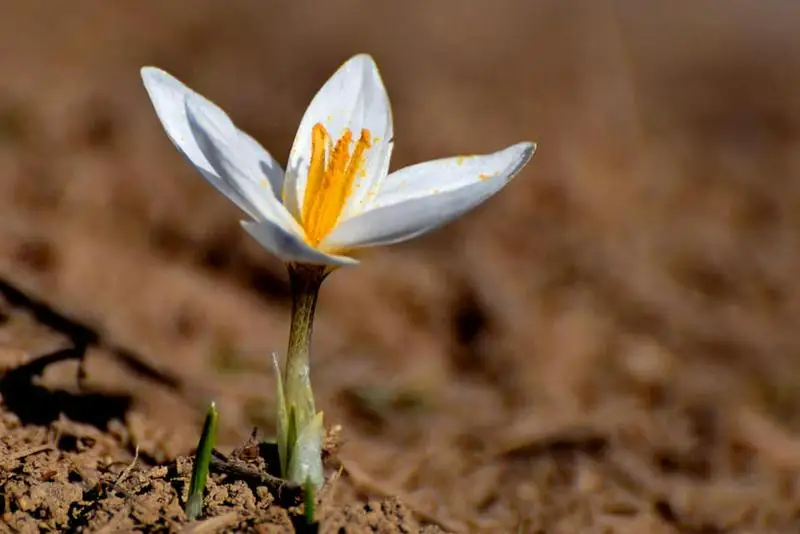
(212,524)
(127,471)
(281,489)
(361,479)
(29,452)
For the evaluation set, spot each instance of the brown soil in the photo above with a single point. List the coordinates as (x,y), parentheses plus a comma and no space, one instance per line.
(609,345)
(75,477)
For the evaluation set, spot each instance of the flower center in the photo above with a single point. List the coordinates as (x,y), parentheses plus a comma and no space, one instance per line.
(331,175)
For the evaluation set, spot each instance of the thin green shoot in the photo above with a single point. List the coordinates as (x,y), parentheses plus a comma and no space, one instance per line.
(310,502)
(202,461)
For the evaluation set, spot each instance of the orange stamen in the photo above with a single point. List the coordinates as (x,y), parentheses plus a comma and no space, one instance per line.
(330,180)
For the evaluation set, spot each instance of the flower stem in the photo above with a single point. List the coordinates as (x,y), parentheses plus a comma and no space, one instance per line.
(305,283)
(300,427)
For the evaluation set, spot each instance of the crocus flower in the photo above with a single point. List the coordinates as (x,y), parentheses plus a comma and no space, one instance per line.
(335,197)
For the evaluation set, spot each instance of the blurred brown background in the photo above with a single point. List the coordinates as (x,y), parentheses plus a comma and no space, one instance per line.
(628,304)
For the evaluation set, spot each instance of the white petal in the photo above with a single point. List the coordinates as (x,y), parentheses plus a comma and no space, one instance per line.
(230,155)
(423,197)
(289,247)
(268,165)
(169,97)
(355,98)
(233,157)
(448,174)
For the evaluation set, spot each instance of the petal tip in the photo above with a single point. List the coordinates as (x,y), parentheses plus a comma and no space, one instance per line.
(152,74)
(160,84)
(363,59)
(526,151)
(528,146)
(364,64)
(531,148)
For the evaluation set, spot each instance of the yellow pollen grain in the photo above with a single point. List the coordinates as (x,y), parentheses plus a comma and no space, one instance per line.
(332,173)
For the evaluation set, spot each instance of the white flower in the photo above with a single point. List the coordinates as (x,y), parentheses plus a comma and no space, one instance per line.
(336,195)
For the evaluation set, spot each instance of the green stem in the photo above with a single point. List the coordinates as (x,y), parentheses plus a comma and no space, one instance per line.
(305,283)
(311,503)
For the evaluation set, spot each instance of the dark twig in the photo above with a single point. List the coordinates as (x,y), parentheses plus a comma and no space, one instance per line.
(281,489)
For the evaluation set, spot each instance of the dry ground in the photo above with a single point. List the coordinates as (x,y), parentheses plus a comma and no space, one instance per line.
(610,345)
